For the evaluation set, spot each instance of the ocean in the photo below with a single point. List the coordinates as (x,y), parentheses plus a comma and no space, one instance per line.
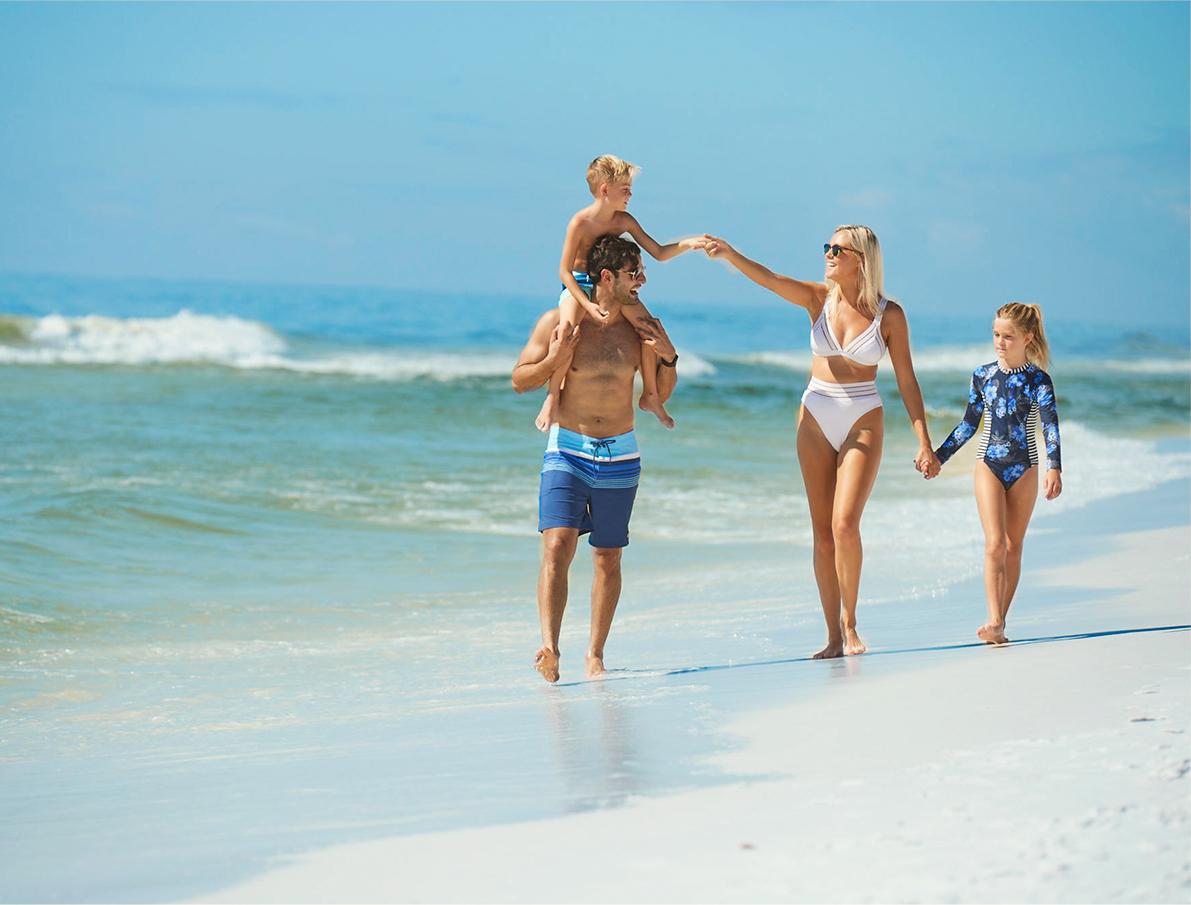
(269,557)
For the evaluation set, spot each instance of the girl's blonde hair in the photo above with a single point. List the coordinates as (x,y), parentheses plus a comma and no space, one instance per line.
(1028,319)
(872,271)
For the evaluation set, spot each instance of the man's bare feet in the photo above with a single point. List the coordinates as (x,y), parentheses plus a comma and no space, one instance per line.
(545,419)
(595,666)
(651,403)
(992,634)
(852,643)
(830,652)
(545,661)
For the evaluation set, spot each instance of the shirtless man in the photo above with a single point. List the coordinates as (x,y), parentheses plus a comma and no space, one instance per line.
(591,466)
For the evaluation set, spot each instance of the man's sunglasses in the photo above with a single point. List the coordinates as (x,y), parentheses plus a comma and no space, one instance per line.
(635,274)
(836,250)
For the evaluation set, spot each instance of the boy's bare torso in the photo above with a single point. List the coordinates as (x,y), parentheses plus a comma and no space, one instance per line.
(589,228)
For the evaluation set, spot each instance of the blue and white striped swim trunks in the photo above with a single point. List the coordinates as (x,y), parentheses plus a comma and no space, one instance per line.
(589,483)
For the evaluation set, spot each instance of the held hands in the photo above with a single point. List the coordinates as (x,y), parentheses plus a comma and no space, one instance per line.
(716,248)
(691,243)
(927,463)
(1052,483)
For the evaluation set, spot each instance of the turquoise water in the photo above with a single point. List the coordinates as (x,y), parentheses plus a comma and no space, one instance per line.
(270,553)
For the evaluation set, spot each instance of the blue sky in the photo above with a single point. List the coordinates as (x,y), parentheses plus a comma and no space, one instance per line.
(1017,150)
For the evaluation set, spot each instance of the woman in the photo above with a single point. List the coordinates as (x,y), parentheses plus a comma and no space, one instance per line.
(841,424)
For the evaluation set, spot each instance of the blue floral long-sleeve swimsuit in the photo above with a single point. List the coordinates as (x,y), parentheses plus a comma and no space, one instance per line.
(1012,402)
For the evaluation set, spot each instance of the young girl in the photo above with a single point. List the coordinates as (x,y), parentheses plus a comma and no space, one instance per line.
(1014,394)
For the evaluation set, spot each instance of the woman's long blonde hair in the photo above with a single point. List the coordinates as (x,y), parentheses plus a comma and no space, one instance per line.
(1028,318)
(872,271)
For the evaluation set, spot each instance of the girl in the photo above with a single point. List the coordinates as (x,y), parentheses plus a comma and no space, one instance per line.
(1014,394)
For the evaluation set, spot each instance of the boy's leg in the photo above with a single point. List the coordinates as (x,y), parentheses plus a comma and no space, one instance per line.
(651,400)
(1019,506)
(990,503)
(571,313)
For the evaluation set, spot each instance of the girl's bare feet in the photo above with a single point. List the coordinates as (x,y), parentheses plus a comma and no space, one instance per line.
(651,403)
(595,666)
(852,643)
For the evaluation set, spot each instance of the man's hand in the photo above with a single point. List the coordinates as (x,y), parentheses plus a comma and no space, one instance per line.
(653,334)
(562,347)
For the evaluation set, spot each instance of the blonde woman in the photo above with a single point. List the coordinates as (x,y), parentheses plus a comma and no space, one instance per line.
(841,423)
(1015,395)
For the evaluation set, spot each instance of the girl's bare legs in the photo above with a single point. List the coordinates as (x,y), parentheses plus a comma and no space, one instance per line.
(837,486)
(859,461)
(651,400)
(1004,516)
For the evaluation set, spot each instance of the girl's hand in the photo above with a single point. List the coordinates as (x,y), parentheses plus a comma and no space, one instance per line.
(692,243)
(927,463)
(1052,484)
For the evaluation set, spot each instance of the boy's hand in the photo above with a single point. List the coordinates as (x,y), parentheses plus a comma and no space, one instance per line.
(594,310)
(1052,484)
(653,334)
(716,248)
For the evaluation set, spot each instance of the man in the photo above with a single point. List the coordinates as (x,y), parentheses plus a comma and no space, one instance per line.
(591,465)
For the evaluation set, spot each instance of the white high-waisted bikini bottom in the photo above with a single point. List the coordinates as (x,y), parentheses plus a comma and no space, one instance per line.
(837,406)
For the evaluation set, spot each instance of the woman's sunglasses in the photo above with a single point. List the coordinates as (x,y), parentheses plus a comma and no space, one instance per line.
(836,250)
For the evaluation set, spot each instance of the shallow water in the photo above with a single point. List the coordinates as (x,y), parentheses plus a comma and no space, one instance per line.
(269,559)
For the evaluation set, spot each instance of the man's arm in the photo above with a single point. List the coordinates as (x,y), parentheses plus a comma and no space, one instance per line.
(652,332)
(544,353)
(667,380)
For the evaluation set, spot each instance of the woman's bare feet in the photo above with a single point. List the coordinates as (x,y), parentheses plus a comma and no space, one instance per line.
(595,666)
(852,643)
(831,651)
(545,419)
(545,661)
(992,634)
(650,402)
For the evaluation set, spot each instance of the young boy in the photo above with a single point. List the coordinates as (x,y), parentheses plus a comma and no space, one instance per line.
(610,180)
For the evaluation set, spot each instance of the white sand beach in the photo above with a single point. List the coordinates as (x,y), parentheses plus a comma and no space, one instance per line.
(1054,769)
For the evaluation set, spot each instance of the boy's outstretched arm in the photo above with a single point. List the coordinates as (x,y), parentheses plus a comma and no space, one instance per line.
(570,251)
(656,251)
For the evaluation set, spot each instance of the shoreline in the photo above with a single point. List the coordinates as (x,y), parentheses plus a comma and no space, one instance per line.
(957,778)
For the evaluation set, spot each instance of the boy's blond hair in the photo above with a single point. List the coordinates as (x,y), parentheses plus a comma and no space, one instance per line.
(609,169)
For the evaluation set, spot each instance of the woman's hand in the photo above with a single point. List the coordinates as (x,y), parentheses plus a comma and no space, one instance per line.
(717,248)
(927,463)
(1052,484)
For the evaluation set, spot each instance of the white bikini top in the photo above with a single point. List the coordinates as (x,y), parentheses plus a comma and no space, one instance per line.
(868,348)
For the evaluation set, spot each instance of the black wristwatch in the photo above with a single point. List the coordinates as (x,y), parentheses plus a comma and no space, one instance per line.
(668,364)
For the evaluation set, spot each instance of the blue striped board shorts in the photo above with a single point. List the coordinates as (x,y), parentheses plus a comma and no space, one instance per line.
(589,483)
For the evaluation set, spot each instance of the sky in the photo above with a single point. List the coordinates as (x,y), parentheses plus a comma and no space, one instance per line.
(1001,151)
